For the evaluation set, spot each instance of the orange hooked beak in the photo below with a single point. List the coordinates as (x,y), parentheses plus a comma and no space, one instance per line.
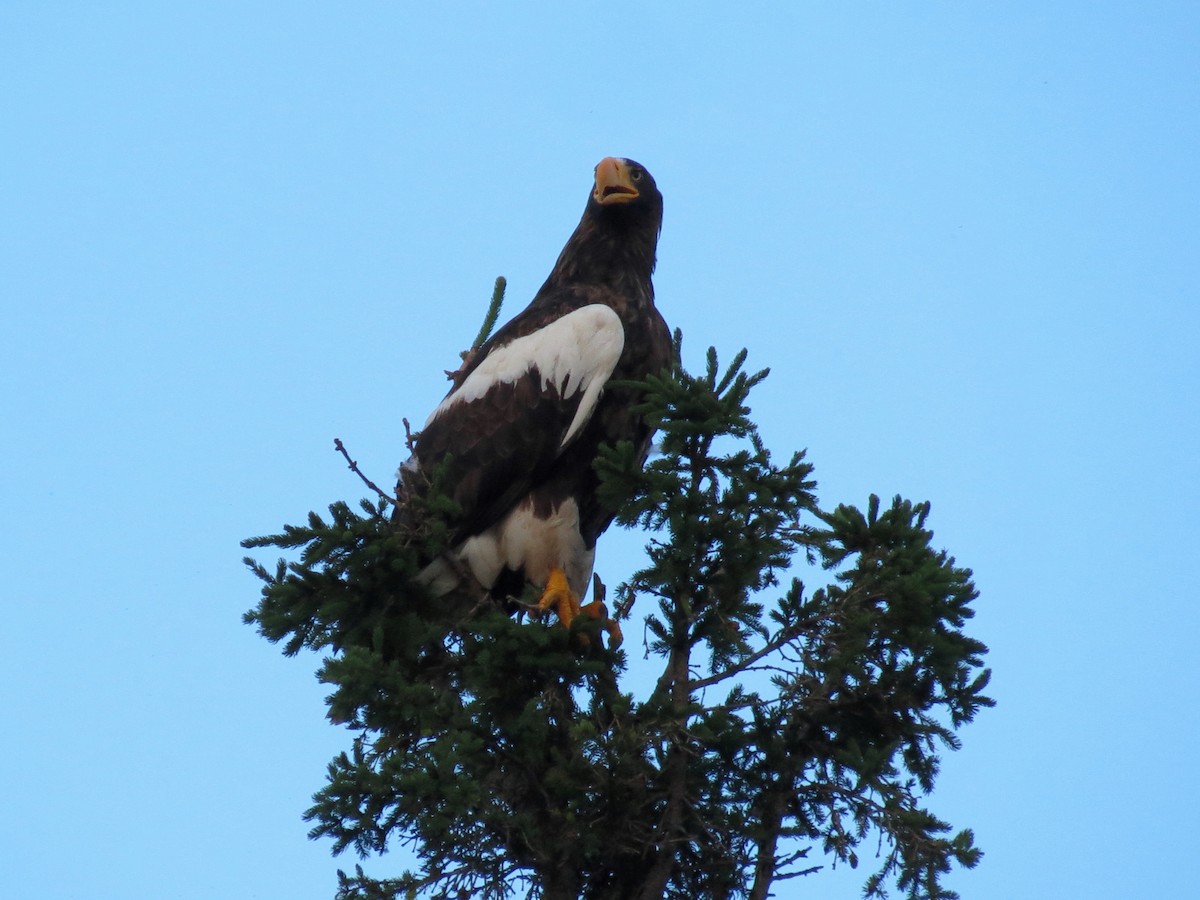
(614,182)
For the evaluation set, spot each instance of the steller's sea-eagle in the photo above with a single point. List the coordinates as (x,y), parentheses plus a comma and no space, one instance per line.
(520,430)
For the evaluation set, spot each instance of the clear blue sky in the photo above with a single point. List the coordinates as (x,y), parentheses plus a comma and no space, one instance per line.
(964,236)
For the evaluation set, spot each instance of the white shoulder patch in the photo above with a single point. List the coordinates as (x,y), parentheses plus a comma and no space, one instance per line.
(577,352)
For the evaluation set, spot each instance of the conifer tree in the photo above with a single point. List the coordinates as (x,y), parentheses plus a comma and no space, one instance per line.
(787,723)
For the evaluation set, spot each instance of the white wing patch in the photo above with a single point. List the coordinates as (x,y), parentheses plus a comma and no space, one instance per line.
(577,352)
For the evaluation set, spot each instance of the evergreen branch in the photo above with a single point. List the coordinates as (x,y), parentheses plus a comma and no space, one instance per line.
(493,313)
(836,701)
(489,322)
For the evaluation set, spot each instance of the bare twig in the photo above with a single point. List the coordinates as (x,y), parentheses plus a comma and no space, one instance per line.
(781,640)
(341,448)
(623,606)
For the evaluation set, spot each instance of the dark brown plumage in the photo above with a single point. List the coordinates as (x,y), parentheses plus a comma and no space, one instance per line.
(530,409)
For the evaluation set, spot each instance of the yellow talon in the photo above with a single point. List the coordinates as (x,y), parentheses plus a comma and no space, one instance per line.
(558,596)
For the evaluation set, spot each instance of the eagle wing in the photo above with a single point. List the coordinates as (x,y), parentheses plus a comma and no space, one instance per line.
(524,401)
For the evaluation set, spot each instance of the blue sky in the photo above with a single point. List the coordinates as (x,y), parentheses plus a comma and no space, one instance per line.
(962,235)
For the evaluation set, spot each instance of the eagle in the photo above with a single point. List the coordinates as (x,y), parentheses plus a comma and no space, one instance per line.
(515,440)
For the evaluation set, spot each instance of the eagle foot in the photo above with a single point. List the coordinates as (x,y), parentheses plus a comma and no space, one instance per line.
(559,597)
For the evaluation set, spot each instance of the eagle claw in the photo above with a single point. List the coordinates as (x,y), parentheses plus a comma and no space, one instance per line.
(598,611)
(559,597)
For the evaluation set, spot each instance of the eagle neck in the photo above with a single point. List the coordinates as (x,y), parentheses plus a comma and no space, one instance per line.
(616,254)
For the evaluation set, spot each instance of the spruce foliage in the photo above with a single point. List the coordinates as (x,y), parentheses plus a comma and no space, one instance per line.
(786,726)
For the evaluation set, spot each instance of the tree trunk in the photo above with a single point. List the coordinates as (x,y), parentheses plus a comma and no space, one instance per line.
(675,769)
(764,864)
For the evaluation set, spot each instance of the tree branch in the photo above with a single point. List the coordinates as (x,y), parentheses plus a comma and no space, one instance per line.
(340,447)
(785,637)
